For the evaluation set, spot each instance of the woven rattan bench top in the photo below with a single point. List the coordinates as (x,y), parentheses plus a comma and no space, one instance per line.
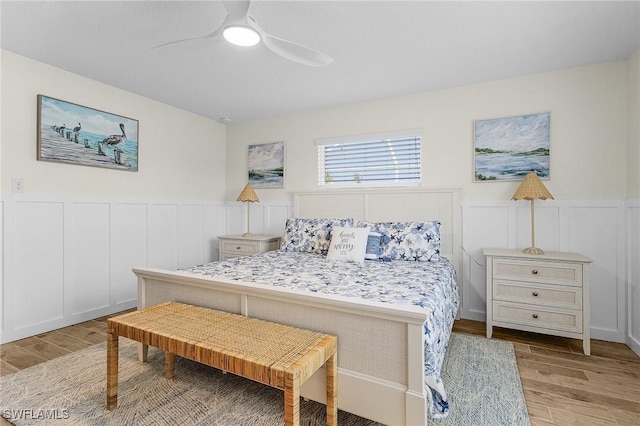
(232,342)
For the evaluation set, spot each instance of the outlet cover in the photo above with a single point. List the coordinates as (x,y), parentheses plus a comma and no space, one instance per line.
(18,185)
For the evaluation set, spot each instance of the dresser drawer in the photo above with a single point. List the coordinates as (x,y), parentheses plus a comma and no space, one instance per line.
(542,272)
(537,316)
(538,294)
(238,247)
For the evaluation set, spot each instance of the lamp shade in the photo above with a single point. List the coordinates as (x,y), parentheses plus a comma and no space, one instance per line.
(248,194)
(532,188)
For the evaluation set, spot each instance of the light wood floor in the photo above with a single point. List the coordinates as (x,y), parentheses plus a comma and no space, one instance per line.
(561,385)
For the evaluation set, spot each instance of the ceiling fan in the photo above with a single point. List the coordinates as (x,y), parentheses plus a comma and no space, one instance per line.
(239,23)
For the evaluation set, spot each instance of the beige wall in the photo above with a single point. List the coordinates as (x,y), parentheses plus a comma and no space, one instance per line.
(633,114)
(588,133)
(181,155)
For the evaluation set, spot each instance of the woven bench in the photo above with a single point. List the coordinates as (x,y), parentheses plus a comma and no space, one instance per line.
(274,354)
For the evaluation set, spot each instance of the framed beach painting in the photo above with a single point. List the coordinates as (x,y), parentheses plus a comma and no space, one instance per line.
(266,165)
(75,134)
(508,148)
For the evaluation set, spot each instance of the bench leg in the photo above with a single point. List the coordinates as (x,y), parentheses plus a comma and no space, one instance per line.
(292,400)
(112,370)
(169,362)
(143,350)
(332,390)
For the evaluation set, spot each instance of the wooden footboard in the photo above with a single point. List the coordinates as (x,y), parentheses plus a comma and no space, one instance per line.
(381,362)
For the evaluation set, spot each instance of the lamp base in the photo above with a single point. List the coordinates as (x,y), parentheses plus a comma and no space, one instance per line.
(533,250)
(247,234)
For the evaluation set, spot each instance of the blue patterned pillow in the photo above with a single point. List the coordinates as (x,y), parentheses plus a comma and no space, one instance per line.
(310,235)
(416,241)
(374,246)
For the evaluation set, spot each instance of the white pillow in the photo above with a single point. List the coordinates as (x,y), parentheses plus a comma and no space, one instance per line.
(348,244)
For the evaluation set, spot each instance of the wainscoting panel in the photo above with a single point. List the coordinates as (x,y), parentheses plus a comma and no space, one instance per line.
(87,263)
(2,314)
(163,236)
(128,249)
(257,214)
(68,261)
(275,218)
(547,223)
(594,232)
(213,225)
(34,264)
(483,226)
(236,218)
(190,235)
(633,273)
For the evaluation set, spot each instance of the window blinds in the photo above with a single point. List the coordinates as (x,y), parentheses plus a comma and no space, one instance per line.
(381,161)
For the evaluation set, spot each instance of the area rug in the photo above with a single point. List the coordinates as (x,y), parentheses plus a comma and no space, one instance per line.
(481,377)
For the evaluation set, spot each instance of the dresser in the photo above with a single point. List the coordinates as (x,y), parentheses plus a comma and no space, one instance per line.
(236,245)
(542,293)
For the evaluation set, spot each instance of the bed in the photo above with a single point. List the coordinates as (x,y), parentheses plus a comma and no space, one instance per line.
(382,332)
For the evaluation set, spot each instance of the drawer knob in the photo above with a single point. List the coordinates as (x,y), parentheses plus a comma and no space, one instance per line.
(535,316)
(534,272)
(238,248)
(535,293)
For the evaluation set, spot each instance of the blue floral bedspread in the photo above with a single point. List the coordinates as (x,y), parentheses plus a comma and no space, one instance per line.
(429,285)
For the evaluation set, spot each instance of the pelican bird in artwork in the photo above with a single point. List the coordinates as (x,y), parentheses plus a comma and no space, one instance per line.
(114,141)
(76,132)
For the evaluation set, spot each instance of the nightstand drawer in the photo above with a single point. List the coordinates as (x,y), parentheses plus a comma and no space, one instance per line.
(239,247)
(538,294)
(227,256)
(542,272)
(532,316)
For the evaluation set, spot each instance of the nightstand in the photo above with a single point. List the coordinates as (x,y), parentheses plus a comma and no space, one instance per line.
(236,245)
(543,293)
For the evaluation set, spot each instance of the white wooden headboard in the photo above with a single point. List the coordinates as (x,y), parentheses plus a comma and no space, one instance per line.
(397,205)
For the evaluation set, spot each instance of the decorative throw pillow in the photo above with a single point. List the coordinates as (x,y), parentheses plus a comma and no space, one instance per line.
(417,241)
(310,235)
(374,247)
(348,244)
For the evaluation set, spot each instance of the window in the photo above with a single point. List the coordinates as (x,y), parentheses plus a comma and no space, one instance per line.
(390,159)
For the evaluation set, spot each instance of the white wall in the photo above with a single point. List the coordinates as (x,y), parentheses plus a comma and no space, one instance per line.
(181,155)
(588,170)
(633,114)
(71,239)
(588,133)
(633,195)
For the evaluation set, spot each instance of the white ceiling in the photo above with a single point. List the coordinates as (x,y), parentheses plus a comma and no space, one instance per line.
(381,48)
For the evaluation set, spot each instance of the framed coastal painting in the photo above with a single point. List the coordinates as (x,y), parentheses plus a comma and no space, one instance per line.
(508,148)
(266,165)
(76,134)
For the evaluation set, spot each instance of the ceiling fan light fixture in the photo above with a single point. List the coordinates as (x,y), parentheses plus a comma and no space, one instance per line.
(241,36)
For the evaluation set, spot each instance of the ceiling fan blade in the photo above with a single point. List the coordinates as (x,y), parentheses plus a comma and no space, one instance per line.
(236,10)
(217,32)
(212,35)
(289,50)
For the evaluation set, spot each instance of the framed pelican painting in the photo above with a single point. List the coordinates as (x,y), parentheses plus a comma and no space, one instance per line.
(75,134)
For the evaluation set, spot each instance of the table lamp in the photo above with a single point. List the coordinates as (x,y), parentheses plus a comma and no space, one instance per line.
(248,195)
(531,189)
